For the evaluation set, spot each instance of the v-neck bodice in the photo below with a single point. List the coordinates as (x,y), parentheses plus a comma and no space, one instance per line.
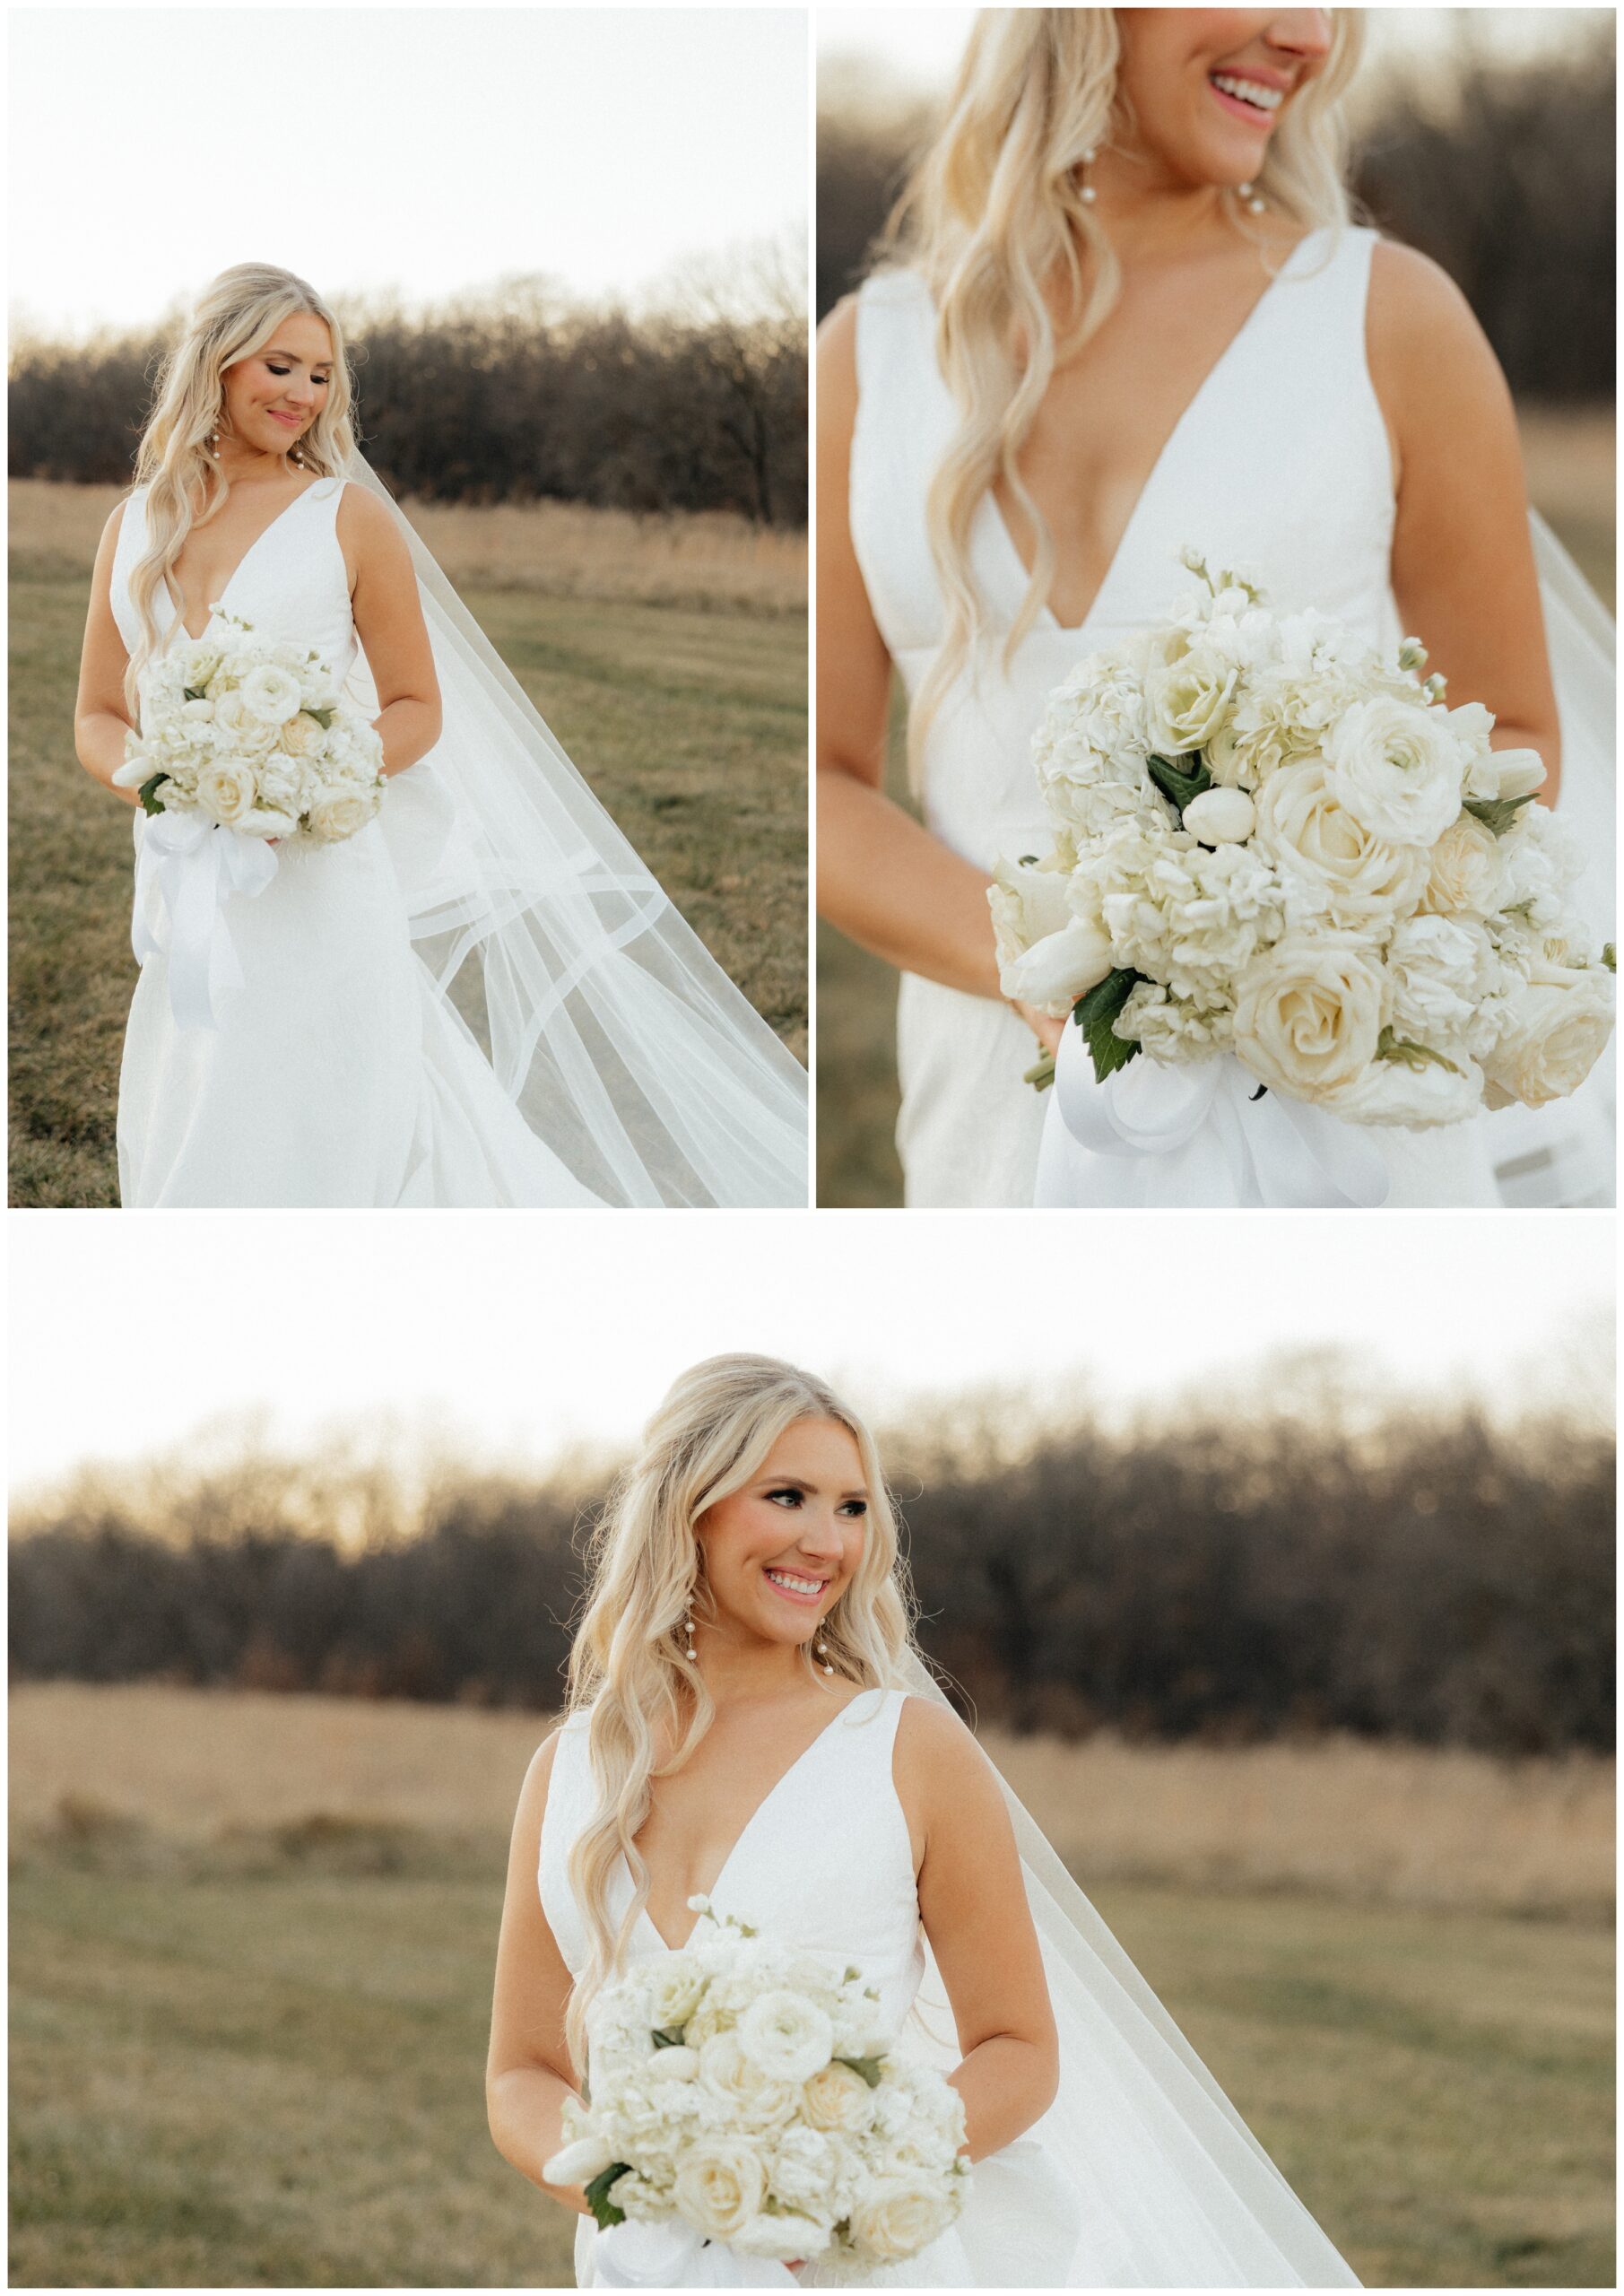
(291,583)
(823,1862)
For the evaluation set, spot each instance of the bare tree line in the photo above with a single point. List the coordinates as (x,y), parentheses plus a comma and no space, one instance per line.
(1507,182)
(507,399)
(1220,1575)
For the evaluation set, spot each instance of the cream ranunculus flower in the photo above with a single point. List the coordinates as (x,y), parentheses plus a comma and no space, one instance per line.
(1328,858)
(1466,873)
(899,2217)
(1187,697)
(1307,1013)
(228,791)
(270,693)
(720,2185)
(1220,816)
(757,2100)
(785,2037)
(1397,767)
(1553,1030)
(334,818)
(837,2100)
(301,736)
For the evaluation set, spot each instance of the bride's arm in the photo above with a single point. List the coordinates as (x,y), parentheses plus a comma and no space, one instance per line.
(100,721)
(973,1903)
(1463,562)
(883,880)
(390,624)
(527,2073)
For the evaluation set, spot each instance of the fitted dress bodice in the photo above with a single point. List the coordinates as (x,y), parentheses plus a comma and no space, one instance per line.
(1281,463)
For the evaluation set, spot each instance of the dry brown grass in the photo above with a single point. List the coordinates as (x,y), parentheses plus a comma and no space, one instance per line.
(707,559)
(1401,1825)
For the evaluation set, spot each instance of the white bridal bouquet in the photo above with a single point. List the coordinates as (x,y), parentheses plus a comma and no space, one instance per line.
(1274,842)
(743,2092)
(253,737)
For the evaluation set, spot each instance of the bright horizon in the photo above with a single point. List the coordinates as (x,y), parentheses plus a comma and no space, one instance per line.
(602,149)
(526,1337)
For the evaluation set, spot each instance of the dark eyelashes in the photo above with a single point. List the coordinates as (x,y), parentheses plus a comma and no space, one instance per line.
(850,1505)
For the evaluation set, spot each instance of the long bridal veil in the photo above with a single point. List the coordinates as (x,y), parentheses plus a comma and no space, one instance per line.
(612,1032)
(1564,1154)
(1142,2173)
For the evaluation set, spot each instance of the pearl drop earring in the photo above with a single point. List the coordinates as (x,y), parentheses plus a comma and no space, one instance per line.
(214,444)
(1086,191)
(687,1630)
(1255,202)
(822,1650)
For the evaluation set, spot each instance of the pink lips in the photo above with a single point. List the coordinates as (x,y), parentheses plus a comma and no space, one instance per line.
(292,422)
(1238,110)
(793,1594)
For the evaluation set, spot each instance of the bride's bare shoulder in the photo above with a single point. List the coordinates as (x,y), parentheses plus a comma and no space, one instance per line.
(1421,333)
(935,1749)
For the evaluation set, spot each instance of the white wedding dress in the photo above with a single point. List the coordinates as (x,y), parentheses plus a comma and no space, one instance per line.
(481,1000)
(1280,463)
(1140,2175)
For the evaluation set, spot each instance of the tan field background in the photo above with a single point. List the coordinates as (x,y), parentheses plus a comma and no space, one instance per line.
(252,1939)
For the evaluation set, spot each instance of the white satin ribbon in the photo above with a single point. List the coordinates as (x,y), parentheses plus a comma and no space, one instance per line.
(1200,1138)
(186,869)
(673,2255)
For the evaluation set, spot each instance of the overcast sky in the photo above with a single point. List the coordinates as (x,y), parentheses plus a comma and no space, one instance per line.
(530,1332)
(427,149)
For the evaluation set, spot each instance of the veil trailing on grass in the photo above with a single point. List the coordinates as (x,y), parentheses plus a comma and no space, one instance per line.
(1564,1154)
(615,1033)
(1142,2173)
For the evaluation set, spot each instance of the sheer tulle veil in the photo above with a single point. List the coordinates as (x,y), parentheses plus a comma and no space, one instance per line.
(1564,1154)
(617,1036)
(1166,2186)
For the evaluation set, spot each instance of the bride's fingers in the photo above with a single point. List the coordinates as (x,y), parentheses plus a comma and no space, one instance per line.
(1047,1031)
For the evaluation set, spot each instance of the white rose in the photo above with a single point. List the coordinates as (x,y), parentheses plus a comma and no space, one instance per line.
(227,789)
(1466,873)
(270,693)
(898,2218)
(787,2038)
(236,722)
(1553,1030)
(1398,768)
(1420,1093)
(301,736)
(675,1989)
(836,2098)
(721,2183)
(1307,1013)
(1335,865)
(755,2097)
(1220,816)
(1188,691)
(334,818)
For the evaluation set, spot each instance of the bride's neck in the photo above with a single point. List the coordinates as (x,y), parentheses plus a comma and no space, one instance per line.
(743,1671)
(248,466)
(1147,212)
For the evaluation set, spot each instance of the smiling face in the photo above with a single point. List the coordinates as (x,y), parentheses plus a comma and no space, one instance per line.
(273,395)
(781,1550)
(1207,87)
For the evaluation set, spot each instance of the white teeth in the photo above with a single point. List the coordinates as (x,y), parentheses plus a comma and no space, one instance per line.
(796,1586)
(1250,92)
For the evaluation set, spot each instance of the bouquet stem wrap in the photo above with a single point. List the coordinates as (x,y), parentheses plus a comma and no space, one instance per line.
(187,870)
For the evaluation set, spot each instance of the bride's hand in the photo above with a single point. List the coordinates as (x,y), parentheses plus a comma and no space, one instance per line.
(1047,1032)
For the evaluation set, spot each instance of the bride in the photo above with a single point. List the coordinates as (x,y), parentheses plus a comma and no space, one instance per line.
(748,1719)
(1128,312)
(482,998)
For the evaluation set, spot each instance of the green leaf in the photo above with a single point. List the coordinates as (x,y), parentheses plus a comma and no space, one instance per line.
(1389,1047)
(1497,814)
(868,2068)
(668,2036)
(1094,1014)
(323,717)
(194,693)
(1179,783)
(1609,957)
(149,794)
(597,2195)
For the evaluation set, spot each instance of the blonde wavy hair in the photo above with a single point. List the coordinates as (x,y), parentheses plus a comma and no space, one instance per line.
(237,315)
(628,1662)
(991,217)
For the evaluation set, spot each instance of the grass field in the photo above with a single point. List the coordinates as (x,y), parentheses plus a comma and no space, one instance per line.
(251,1948)
(1569,462)
(688,719)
